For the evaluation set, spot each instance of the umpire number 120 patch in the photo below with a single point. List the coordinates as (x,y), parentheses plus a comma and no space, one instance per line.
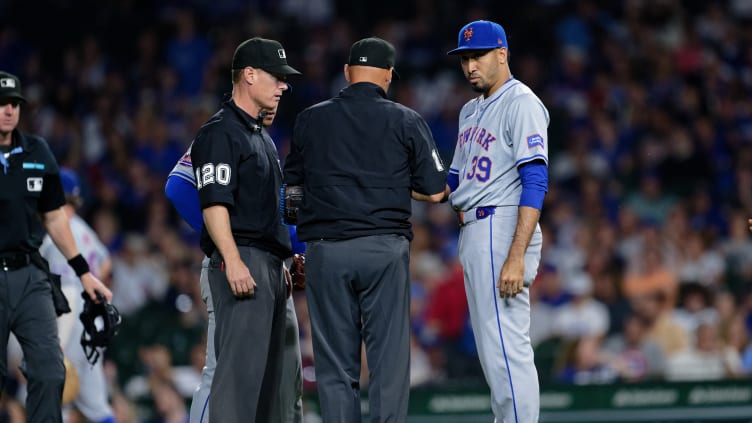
(209,173)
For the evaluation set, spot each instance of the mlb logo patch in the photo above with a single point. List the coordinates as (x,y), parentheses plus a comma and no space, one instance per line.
(34,184)
(534,140)
(7,83)
(281,53)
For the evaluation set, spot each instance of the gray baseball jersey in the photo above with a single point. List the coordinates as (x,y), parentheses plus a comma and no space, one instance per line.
(184,168)
(89,245)
(497,134)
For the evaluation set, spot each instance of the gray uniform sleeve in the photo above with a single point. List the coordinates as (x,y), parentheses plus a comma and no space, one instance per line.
(459,159)
(528,123)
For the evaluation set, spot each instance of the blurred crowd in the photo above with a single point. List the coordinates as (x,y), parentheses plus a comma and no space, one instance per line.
(647,260)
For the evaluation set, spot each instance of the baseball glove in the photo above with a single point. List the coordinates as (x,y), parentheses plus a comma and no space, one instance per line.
(101,323)
(297,271)
(291,200)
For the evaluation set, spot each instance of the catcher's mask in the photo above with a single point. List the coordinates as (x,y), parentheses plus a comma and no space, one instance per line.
(101,322)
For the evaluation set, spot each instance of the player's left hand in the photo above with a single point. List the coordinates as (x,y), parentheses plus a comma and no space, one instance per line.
(511,278)
(92,284)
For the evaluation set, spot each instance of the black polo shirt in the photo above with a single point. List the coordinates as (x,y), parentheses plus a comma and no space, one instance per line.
(358,156)
(29,185)
(237,165)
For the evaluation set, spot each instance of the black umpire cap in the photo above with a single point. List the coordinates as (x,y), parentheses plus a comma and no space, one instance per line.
(373,52)
(261,53)
(10,86)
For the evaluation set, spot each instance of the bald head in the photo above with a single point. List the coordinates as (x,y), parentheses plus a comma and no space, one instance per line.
(379,76)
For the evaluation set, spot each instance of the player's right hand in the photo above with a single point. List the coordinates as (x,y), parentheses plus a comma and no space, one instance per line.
(240,279)
(511,280)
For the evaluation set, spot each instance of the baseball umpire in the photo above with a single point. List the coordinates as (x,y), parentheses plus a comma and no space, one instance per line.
(238,180)
(31,201)
(180,188)
(360,157)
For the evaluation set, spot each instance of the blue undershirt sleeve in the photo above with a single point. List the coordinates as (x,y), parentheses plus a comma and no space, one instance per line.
(453,180)
(534,177)
(184,198)
(298,246)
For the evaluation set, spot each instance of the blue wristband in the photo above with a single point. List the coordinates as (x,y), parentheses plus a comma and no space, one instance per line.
(453,180)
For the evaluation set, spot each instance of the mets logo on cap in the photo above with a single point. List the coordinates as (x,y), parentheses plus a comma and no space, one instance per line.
(480,35)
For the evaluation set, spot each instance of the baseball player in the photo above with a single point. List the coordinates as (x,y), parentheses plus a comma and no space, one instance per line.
(499,178)
(181,190)
(91,400)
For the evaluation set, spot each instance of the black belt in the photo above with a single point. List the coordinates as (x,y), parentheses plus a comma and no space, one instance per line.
(14,261)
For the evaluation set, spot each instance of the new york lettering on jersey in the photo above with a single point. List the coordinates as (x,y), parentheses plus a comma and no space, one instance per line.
(490,149)
(477,135)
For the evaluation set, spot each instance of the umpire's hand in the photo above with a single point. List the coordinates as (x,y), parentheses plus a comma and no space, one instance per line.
(92,284)
(240,279)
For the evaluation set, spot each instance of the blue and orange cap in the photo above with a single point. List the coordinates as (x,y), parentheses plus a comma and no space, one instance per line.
(480,35)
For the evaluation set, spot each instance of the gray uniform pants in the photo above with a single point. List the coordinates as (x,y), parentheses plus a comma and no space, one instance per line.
(26,310)
(290,408)
(358,290)
(248,341)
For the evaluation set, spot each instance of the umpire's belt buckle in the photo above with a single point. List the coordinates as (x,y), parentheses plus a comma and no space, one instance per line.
(14,261)
(477,213)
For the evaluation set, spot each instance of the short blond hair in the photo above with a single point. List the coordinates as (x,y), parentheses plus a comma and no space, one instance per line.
(236,74)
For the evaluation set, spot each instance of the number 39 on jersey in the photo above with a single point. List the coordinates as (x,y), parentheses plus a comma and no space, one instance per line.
(480,169)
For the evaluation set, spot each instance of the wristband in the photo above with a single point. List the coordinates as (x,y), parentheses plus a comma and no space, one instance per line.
(79,265)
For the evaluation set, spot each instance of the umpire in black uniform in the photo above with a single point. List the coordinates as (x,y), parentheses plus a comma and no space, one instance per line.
(238,178)
(32,200)
(360,157)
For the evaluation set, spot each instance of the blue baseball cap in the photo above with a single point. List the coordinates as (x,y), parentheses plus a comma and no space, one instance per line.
(480,35)
(70,182)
